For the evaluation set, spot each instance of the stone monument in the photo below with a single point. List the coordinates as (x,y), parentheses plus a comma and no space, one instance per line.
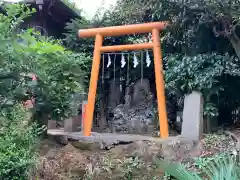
(192,125)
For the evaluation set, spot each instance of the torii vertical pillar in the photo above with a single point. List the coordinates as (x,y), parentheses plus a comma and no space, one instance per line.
(159,79)
(99,34)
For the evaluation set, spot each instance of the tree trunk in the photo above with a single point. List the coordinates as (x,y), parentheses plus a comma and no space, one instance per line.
(114,94)
(225,116)
(102,106)
(103,120)
(235,41)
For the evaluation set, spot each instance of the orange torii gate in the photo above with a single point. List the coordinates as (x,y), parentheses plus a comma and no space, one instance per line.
(99,34)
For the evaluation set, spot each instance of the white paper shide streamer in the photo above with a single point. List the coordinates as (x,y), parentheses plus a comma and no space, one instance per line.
(109,61)
(148,60)
(135,61)
(123,62)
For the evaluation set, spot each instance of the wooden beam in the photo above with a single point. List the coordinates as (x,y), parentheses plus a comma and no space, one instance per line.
(159,79)
(93,86)
(122,30)
(127,47)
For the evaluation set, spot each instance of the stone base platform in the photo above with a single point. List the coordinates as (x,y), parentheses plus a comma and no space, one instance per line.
(172,148)
(108,138)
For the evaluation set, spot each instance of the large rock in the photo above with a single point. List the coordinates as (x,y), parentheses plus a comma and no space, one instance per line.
(114,94)
(145,149)
(181,149)
(141,90)
(139,119)
(137,115)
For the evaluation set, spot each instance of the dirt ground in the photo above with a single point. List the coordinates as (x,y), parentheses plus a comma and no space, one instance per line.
(136,160)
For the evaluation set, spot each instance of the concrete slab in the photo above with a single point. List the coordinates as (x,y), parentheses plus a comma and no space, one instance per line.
(171,148)
(109,138)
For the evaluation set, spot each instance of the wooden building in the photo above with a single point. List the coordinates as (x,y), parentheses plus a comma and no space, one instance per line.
(50,18)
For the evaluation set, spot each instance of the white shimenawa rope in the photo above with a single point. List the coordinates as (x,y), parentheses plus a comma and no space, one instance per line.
(148,60)
(109,61)
(135,61)
(123,62)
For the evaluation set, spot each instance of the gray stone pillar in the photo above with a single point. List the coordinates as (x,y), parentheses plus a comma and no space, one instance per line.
(52,124)
(84,106)
(192,125)
(72,124)
(76,123)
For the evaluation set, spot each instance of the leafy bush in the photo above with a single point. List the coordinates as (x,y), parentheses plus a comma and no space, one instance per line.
(18,140)
(60,73)
(212,74)
(221,167)
(59,77)
(18,144)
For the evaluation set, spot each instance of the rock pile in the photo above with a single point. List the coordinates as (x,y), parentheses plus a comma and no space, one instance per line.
(139,119)
(137,114)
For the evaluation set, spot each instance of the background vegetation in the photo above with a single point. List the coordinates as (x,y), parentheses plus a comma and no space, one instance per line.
(200,49)
(58,80)
(201,52)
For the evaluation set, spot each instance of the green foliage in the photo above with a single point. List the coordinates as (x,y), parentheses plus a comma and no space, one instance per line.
(194,27)
(12,83)
(219,168)
(58,71)
(201,43)
(130,165)
(59,74)
(59,77)
(18,141)
(86,45)
(204,73)
(18,144)
(72,41)
(72,6)
(15,14)
(193,20)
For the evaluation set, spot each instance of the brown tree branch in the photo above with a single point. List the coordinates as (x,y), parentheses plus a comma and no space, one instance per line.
(229,31)
(235,41)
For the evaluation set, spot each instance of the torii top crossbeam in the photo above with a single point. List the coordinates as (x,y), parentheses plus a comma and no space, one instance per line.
(99,34)
(122,30)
